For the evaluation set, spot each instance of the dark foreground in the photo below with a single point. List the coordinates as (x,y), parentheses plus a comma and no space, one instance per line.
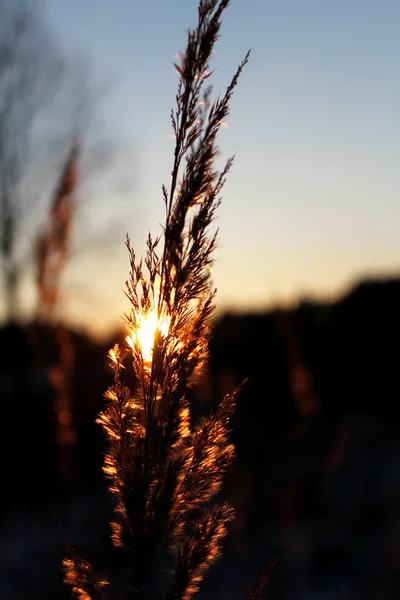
(318,452)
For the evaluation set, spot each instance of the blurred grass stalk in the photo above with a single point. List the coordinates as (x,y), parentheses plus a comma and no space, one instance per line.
(164,471)
(52,248)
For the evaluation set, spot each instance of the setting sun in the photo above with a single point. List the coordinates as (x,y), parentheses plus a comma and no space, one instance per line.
(146,331)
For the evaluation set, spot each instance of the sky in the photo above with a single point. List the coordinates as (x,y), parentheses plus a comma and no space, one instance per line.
(312,202)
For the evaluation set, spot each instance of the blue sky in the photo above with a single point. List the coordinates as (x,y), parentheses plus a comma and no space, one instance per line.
(312,201)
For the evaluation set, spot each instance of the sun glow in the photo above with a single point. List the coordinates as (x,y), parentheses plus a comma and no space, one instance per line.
(145,332)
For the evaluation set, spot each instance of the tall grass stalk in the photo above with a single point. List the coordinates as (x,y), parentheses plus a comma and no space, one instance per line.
(164,471)
(52,248)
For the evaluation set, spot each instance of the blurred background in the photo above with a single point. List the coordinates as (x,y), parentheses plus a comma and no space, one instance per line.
(307,271)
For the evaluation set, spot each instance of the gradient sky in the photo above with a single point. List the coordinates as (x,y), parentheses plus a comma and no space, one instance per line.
(312,201)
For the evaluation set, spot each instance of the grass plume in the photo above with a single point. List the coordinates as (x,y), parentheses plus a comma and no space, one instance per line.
(163,470)
(52,246)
